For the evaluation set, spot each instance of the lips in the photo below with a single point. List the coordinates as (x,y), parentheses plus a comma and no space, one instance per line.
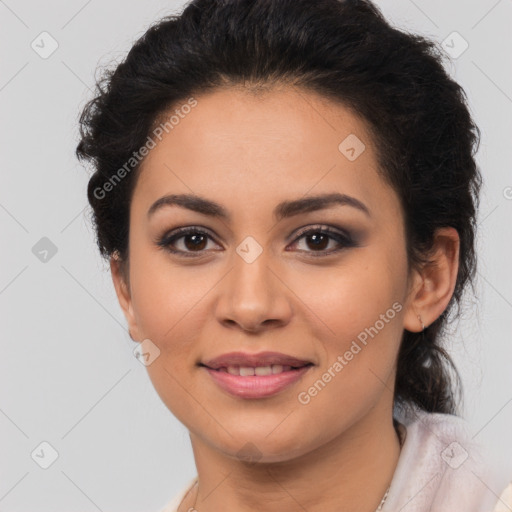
(247,360)
(256,376)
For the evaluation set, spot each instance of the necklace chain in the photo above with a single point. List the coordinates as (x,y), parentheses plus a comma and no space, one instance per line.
(383,500)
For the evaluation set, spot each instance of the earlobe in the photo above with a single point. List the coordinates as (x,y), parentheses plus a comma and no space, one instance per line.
(434,284)
(123,295)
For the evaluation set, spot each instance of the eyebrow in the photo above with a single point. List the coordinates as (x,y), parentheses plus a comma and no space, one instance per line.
(283,210)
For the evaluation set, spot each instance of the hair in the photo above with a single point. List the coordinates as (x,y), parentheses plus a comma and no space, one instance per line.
(345,51)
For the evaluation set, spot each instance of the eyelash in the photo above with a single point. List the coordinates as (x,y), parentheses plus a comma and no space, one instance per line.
(344,239)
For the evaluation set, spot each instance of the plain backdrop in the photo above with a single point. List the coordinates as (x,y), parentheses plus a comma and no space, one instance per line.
(69,376)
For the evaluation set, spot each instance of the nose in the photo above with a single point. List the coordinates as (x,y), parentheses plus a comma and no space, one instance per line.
(253,296)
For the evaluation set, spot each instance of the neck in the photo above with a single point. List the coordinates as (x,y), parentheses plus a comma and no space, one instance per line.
(352,470)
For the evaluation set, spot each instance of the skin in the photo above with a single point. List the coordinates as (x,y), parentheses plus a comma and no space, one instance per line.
(248,153)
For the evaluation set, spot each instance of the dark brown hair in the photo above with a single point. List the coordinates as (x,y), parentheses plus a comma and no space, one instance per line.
(346,51)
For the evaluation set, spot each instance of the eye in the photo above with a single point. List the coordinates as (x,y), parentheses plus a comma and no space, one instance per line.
(190,240)
(318,238)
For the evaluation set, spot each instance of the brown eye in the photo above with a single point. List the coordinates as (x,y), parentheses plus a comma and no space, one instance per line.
(185,241)
(195,241)
(317,240)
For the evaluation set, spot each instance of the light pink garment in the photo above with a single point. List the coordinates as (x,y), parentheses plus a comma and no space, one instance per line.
(441,469)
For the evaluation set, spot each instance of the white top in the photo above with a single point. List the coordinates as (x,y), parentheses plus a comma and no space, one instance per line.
(440,469)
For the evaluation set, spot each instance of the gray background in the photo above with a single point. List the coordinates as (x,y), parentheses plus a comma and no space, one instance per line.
(68,373)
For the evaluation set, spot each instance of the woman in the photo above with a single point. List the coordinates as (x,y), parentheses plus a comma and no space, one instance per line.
(286,191)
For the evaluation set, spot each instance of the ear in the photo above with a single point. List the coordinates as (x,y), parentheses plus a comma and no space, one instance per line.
(122,287)
(432,286)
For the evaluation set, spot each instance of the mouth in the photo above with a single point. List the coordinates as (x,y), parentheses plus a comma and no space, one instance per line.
(255,375)
(249,371)
(262,363)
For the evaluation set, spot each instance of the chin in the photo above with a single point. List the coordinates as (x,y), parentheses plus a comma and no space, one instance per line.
(261,448)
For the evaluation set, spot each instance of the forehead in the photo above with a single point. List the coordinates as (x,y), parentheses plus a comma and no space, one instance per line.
(279,143)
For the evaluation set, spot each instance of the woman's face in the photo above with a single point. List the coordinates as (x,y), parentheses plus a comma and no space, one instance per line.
(255,282)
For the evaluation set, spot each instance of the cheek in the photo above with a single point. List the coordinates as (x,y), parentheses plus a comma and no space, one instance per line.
(164,295)
(358,313)
(358,364)
(170,309)
(347,300)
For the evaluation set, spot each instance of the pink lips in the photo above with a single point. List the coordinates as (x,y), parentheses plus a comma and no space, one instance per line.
(256,386)
(259,359)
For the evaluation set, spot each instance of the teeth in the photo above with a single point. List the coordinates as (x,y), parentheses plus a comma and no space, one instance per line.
(263,370)
(246,371)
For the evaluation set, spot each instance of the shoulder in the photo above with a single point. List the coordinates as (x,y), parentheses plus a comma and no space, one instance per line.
(445,439)
(442,466)
(445,435)
(442,427)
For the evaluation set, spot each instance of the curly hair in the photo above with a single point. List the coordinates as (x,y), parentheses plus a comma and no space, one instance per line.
(346,51)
